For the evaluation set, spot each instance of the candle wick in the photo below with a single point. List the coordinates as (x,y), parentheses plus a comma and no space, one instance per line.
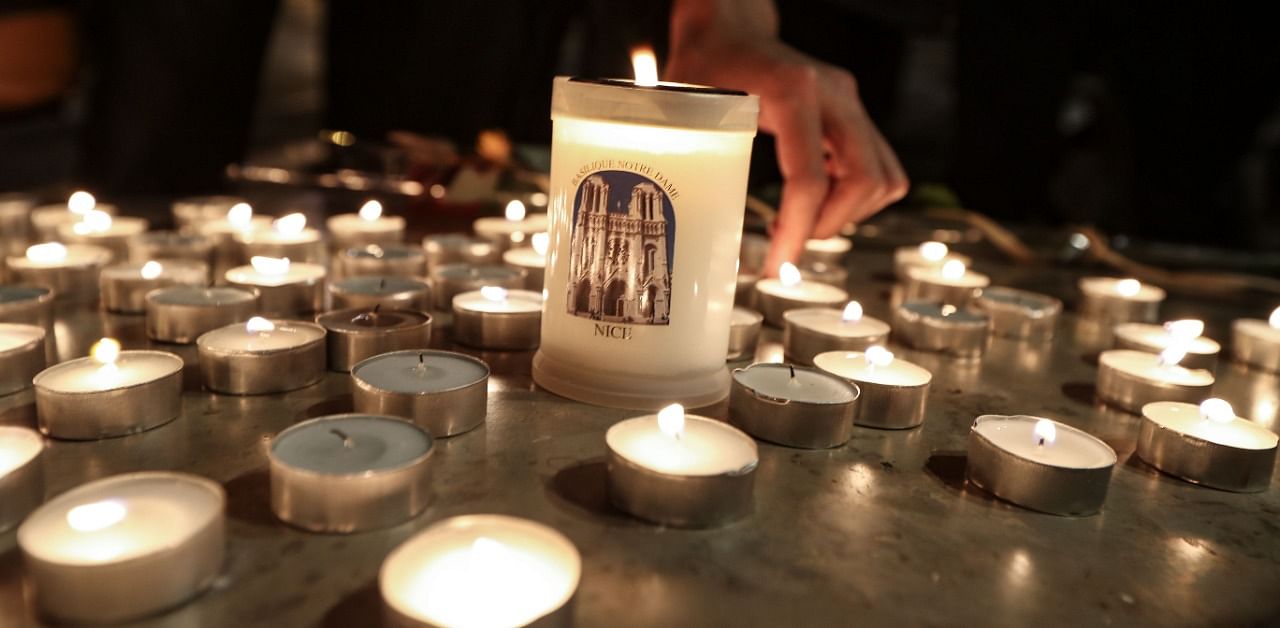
(1042,441)
(382,283)
(793,370)
(346,440)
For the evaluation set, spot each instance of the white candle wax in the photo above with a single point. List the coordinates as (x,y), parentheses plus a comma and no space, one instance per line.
(417,373)
(832,322)
(54,255)
(780,381)
(1148,366)
(938,275)
(1123,289)
(805,291)
(18,336)
(855,366)
(483,571)
(704,447)
(258,337)
(131,368)
(1187,418)
(351,444)
(525,257)
(18,445)
(1059,445)
(298,272)
(474,275)
(1158,338)
(200,297)
(499,301)
(354,225)
(831,246)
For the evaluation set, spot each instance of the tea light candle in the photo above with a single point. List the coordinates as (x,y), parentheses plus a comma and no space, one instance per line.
(288,237)
(349,473)
(893,390)
(1207,444)
(1132,379)
(453,279)
(262,356)
(926,255)
(193,212)
(161,245)
(497,318)
(46,219)
(21,474)
(180,314)
(810,331)
(457,248)
(744,290)
(1019,314)
(357,334)
(451,574)
(952,283)
(744,333)
(28,304)
(102,229)
(789,292)
(124,547)
(793,406)
(387,291)
(513,227)
(22,356)
(381,260)
(1254,342)
(530,259)
(1201,352)
(683,471)
(367,226)
(1040,464)
(110,393)
(71,271)
(826,251)
(239,220)
(125,286)
(1119,300)
(942,328)
(285,288)
(447,393)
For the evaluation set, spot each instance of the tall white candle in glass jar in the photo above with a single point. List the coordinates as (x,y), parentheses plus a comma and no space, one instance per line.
(648,182)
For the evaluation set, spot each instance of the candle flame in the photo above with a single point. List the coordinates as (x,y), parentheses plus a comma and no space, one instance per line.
(852,312)
(240,215)
(1186,329)
(1128,287)
(1045,432)
(953,269)
(515,211)
(645,65)
(1217,410)
(270,265)
(497,294)
(106,351)
(94,221)
(371,211)
(947,310)
(290,225)
(542,239)
(47,252)
(878,356)
(96,516)
(1173,354)
(151,270)
(1275,318)
(788,274)
(80,202)
(671,420)
(933,251)
(257,324)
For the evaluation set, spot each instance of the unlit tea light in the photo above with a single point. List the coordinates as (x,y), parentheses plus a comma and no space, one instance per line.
(1019,314)
(893,390)
(1207,444)
(1132,379)
(942,328)
(793,406)
(381,260)
(262,356)
(774,297)
(386,291)
(180,314)
(357,334)
(810,331)
(447,393)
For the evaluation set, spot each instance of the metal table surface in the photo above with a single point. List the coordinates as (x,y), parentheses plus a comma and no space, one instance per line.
(882,531)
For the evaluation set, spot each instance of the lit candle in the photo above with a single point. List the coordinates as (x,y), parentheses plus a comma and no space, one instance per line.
(387,291)
(789,292)
(124,547)
(648,181)
(1256,342)
(367,226)
(349,473)
(110,393)
(102,229)
(1019,314)
(744,333)
(1040,464)
(179,314)
(952,283)
(1207,444)
(46,219)
(497,318)
(893,391)
(942,328)
(22,355)
(444,392)
(513,227)
(21,474)
(482,570)
(1131,379)
(531,259)
(827,251)
(927,255)
(1201,352)
(124,287)
(262,356)
(240,219)
(289,236)
(171,245)
(285,288)
(357,334)
(1119,300)
(457,248)
(193,212)
(451,280)
(71,271)
(381,260)
(681,470)
(810,331)
(793,406)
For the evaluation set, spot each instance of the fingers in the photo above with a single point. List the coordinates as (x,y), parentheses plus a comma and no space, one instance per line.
(796,122)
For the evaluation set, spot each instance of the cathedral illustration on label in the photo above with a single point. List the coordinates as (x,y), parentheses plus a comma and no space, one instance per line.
(623,245)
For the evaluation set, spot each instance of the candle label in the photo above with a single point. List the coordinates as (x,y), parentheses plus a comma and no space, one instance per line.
(622,247)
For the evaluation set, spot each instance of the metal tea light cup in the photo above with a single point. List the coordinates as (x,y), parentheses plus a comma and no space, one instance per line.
(350,343)
(1202,461)
(941,328)
(98,414)
(176,322)
(261,373)
(790,422)
(22,363)
(443,413)
(1019,314)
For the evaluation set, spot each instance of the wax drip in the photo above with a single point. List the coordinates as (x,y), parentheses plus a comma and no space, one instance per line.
(346,439)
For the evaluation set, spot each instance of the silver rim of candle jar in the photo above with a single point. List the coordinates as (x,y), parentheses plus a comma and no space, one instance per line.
(95,415)
(138,587)
(1012,320)
(1062,491)
(182,323)
(1116,309)
(36,311)
(682,501)
(744,338)
(1130,393)
(264,372)
(773,307)
(302,297)
(78,284)
(1253,351)
(925,291)
(802,344)
(442,413)
(414,265)
(1204,462)
(19,365)
(1205,361)
(445,288)
(349,502)
(802,424)
(348,347)
(22,490)
(413,299)
(499,331)
(961,340)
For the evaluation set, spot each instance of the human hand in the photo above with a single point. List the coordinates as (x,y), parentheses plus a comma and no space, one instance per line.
(837,167)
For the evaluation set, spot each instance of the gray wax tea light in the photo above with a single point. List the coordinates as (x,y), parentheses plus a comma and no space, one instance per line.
(444,392)
(349,472)
(29,304)
(357,334)
(457,248)
(381,260)
(941,328)
(180,314)
(793,406)
(385,290)
(1019,314)
(453,279)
